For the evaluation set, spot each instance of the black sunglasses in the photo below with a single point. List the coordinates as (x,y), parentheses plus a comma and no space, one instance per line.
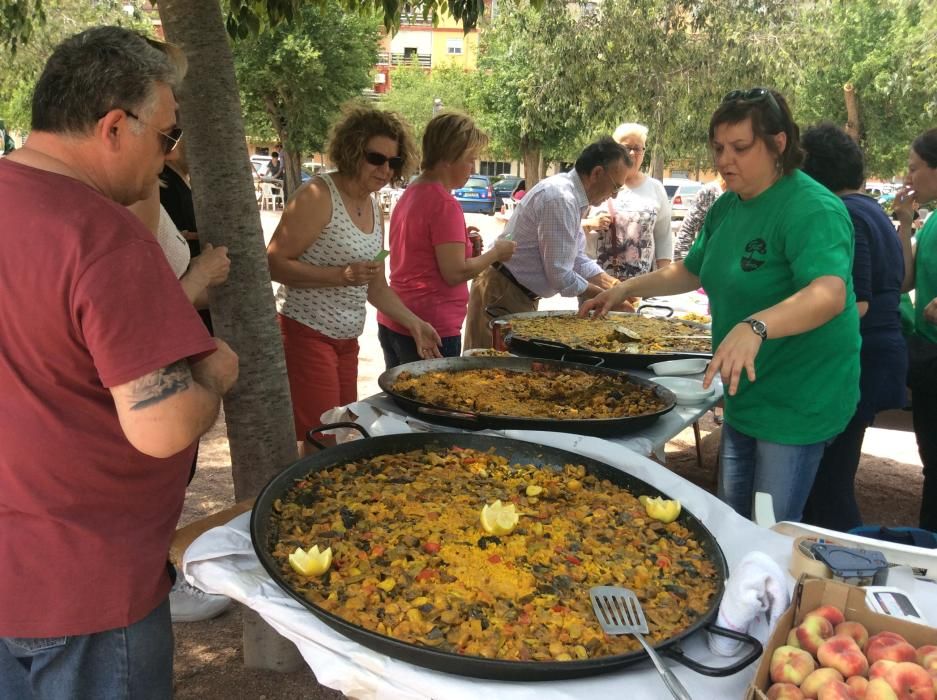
(378,159)
(171,138)
(753,96)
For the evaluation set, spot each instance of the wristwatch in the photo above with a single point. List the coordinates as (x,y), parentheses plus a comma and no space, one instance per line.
(759,328)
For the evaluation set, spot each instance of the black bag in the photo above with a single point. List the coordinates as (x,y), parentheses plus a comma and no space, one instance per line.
(914,536)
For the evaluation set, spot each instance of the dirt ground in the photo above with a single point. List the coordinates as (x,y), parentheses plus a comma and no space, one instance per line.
(208,661)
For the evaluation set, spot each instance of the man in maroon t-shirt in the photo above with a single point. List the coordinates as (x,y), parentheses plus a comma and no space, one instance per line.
(108,378)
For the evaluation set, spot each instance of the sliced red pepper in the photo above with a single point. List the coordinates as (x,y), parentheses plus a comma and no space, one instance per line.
(573,559)
(663,561)
(431,547)
(426,575)
(495,558)
(559,608)
(377,550)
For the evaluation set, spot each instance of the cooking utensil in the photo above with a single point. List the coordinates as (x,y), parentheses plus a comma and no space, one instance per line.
(550,349)
(264,536)
(619,612)
(471,420)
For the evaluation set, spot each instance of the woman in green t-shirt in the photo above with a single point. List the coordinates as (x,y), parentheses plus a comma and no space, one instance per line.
(921,275)
(775,256)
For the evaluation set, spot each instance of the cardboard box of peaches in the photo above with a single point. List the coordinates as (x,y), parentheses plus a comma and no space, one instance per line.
(829,645)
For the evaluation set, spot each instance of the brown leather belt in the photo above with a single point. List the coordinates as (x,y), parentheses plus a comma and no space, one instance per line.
(497,265)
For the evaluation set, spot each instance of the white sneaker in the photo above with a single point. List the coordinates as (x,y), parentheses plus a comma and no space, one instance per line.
(190,604)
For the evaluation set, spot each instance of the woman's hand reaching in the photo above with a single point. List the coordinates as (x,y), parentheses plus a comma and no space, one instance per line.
(736,353)
(212,266)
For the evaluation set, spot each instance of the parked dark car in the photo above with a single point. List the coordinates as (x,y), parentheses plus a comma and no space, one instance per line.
(476,195)
(504,188)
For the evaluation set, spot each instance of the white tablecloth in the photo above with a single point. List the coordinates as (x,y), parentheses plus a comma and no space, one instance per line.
(223,561)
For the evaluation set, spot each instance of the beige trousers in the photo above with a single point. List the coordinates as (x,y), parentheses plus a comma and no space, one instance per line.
(492,295)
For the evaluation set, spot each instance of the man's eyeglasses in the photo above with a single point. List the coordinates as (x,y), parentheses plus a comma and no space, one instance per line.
(753,96)
(378,159)
(616,188)
(170,139)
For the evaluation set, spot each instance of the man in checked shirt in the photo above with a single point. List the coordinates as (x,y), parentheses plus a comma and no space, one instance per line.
(550,257)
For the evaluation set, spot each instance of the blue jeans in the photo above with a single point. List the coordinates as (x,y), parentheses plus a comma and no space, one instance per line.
(748,465)
(127,663)
(400,349)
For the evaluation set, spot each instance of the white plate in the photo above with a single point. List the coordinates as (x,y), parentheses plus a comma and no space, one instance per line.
(673,368)
(686,390)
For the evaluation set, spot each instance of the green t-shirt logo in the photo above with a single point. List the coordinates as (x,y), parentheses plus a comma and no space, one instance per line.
(754,247)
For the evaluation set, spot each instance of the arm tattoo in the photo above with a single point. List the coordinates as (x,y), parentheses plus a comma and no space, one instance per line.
(158,385)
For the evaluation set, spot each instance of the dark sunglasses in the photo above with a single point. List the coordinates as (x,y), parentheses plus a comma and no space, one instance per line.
(171,138)
(754,96)
(378,159)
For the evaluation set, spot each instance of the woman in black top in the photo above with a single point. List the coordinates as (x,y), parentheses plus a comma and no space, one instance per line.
(836,161)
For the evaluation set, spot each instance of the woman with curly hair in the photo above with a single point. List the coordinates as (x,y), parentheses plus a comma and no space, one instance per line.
(325,254)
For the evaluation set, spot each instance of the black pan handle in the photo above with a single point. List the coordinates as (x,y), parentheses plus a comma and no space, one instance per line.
(583,358)
(656,306)
(547,345)
(443,413)
(676,653)
(496,311)
(329,426)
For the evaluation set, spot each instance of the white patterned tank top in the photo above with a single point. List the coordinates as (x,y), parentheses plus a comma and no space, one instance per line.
(337,312)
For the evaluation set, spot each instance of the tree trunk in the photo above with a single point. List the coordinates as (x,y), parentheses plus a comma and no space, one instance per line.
(291,158)
(530,152)
(853,126)
(258,412)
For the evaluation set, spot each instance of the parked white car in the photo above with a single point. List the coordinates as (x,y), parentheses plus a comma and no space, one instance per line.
(682,195)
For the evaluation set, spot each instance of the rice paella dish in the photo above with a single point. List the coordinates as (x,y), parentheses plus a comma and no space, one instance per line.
(625,333)
(547,393)
(460,551)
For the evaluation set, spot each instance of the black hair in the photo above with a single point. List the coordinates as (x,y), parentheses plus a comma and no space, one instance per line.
(274,154)
(603,152)
(925,146)
(769,117)
(833,158)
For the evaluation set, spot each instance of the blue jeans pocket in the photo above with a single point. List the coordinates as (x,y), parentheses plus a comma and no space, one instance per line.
(31,645)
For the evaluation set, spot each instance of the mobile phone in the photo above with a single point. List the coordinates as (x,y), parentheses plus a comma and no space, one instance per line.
(380,257)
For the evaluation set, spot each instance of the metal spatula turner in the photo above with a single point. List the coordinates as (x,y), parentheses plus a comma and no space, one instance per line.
(619,612)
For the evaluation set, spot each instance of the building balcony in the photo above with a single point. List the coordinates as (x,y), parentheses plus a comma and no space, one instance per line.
(385,58)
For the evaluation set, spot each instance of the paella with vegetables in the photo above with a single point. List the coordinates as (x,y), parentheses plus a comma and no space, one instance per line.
(461,551)
(623,333)
(551,392)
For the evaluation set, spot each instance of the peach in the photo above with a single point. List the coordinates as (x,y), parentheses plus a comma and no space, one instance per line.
(784,691)
(830,613)
(816,680)
(835,690)
(792,638)
(843,654)
(791,665)
(927,657)
(857,686)
(812,632)
(880,668)
(910,681)
(890,646)
(856,630)
(879,690)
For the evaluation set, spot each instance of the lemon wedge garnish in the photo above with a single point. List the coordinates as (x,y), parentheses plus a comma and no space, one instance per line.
(662,509)
(311,562)
(499,519)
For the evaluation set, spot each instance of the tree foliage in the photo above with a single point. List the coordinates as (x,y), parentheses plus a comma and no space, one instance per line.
(294,76)
(414,91)
(29,43)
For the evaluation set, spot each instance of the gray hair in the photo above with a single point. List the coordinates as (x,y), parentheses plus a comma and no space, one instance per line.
(98,70)
(630,129)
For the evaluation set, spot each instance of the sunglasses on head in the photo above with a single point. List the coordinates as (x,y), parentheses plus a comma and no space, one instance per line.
(378,159)
(754,96)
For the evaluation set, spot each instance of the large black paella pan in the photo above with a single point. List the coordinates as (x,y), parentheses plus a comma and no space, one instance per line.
(350,472)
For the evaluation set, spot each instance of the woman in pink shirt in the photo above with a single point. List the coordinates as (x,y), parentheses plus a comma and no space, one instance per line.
(430,254)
